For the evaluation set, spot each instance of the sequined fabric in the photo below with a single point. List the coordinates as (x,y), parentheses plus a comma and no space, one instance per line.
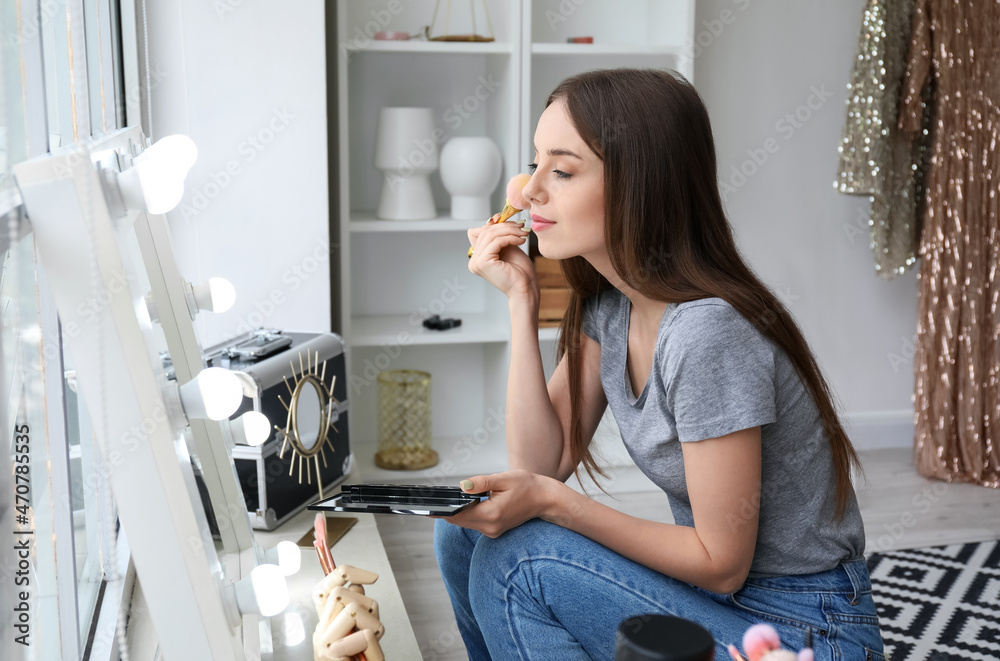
(956,396)
(876,158)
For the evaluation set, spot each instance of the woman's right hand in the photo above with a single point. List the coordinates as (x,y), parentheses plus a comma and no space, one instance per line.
(498,258)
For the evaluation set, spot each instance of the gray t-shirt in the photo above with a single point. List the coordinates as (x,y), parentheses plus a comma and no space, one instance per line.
(713,374)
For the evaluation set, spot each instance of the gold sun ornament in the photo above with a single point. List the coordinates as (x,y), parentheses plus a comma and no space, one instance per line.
(311,408)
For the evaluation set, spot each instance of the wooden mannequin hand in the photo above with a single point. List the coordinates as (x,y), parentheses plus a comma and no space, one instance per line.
(342,610)
(515,497)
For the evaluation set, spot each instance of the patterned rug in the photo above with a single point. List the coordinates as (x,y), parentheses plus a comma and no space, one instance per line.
(940,603)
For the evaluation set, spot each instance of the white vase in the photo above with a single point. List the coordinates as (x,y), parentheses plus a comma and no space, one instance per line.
(470,171)
(406,153)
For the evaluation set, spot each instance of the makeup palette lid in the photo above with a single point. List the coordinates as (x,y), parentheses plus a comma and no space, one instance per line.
(662,638)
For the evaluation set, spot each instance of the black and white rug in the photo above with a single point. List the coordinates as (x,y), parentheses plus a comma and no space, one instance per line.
(940,603)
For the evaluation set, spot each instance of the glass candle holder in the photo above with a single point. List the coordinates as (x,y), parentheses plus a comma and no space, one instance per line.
(404,421)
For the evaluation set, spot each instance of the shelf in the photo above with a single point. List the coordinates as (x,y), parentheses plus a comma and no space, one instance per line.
(459,458)
(392,268)
(398,329)
(365,221)
(604,49)
(446,47)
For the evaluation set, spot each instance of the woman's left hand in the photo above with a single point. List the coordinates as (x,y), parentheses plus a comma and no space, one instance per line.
(515,497)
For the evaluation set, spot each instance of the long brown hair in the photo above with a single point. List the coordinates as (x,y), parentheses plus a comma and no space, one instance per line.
(666,231)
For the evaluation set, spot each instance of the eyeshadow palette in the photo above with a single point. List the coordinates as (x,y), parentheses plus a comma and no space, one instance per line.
(417,499)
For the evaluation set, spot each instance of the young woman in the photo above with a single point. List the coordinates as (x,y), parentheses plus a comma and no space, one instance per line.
(718,397)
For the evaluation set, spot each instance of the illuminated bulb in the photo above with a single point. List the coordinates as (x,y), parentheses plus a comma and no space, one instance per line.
(295,630)
(270,588)
(216,295)
(215,393)
(252,428)
(223,294)
(177,152)
(156,179)
(287,556)
(150,185)
(263,592)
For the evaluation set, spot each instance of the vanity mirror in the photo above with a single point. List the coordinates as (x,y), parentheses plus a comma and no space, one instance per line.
(105,261)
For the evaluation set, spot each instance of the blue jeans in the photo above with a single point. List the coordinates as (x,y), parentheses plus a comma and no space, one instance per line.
(540,591)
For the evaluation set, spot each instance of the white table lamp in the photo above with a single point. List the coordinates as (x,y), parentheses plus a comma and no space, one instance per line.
(406,153)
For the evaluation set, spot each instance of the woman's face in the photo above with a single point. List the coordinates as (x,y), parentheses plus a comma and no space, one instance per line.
(566,190)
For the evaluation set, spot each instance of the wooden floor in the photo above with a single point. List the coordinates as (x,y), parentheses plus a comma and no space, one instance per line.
(900,510)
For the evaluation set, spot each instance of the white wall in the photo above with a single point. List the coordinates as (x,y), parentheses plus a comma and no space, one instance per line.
(806,240)
(247,81)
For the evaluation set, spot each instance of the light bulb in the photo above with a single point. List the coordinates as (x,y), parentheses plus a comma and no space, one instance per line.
(177,153)
(215,295)
(264,592)
(222,293)
(156,179)
(270,588)
(295,629)
(160,189)
(287,556)
(215,393)
(252,428)
(151,186)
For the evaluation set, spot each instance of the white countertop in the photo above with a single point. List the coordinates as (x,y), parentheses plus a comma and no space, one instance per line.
(360,547)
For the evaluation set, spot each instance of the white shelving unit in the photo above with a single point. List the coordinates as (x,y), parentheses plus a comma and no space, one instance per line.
(395,273)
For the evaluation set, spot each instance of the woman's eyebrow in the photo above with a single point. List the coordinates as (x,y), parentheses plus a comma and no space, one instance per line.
(559,151)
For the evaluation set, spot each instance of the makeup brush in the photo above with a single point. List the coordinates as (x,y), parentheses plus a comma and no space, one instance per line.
(735,653)
(515,200)
(318,545)
(320,534)
(515,196)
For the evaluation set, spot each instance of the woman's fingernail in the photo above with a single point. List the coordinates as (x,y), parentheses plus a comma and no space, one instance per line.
(465,484)
(526,229)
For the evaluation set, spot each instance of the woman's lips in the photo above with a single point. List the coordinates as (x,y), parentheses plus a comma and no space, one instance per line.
(538,223)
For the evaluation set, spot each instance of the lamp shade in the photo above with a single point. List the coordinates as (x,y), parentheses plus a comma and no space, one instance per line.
(405,141)
(406,152)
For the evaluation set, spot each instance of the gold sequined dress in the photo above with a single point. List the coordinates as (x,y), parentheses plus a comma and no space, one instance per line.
(876,158)
(956,396)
